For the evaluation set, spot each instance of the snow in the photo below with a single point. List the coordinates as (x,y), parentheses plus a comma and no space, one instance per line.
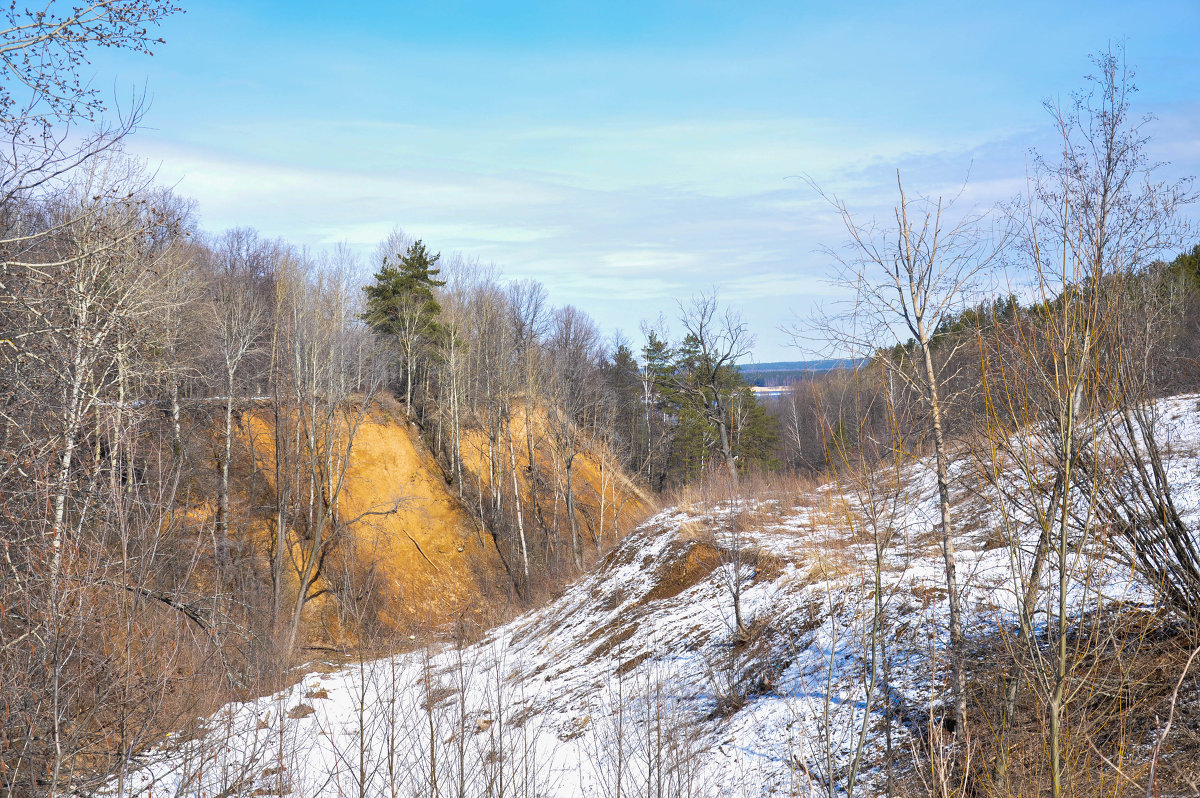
(621,680)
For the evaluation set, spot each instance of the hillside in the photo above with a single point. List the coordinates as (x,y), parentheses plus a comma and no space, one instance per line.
(416,548)
(416,545)
(636,673)
(608,503)
(330,466)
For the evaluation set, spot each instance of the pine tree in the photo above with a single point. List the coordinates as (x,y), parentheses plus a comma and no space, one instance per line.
(622,374)
(755,431)
(687,399)
(658,405)
(401,305)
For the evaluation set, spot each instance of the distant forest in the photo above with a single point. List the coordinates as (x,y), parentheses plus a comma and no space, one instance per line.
(786,372)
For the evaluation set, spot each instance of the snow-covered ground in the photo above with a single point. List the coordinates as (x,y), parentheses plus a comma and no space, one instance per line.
(638,675)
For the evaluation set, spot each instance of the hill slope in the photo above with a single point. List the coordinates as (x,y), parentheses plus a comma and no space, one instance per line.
(415,548)
(637,673)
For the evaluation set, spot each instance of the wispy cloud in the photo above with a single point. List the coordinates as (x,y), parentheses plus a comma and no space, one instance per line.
(631,158)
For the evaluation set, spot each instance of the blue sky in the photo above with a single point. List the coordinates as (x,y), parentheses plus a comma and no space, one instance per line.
(627,154)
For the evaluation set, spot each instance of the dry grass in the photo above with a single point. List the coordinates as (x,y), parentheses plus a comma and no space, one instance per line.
(783,490)
(685,565)
(1122,698)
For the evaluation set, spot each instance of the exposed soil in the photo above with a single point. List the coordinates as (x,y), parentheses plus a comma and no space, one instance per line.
(678,573)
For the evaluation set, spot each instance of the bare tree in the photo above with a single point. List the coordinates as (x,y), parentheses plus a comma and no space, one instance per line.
(44,91)
(905,282)
(1092,221)
(527,301)
(330,404)
(574,345)
(81,306)
(237,319)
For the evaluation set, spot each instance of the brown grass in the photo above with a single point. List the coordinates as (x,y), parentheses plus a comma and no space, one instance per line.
(1124,694)
(685,565)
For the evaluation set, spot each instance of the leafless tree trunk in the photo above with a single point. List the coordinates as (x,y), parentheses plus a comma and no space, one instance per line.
(237,321)
(913,277)
(1092,221)
(329,409)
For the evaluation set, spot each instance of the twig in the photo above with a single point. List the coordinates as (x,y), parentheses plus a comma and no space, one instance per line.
(1167,729)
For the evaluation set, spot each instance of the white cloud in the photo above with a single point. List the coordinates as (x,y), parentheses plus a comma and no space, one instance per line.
(621,219)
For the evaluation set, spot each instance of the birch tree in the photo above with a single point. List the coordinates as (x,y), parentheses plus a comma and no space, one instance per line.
(1092,220)
(904,280)
(237,319)
(575,351)
(330,404)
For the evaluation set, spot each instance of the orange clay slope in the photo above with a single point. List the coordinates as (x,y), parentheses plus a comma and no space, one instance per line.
(423,558)
(609,504)
(415,549)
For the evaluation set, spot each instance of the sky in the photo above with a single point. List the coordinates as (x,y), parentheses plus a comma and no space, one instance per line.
(629,155)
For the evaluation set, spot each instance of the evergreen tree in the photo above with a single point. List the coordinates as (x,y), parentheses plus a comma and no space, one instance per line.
(1187,266)
(755,431)
(401,305)
(658,407)
(623,378)
(682,391)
